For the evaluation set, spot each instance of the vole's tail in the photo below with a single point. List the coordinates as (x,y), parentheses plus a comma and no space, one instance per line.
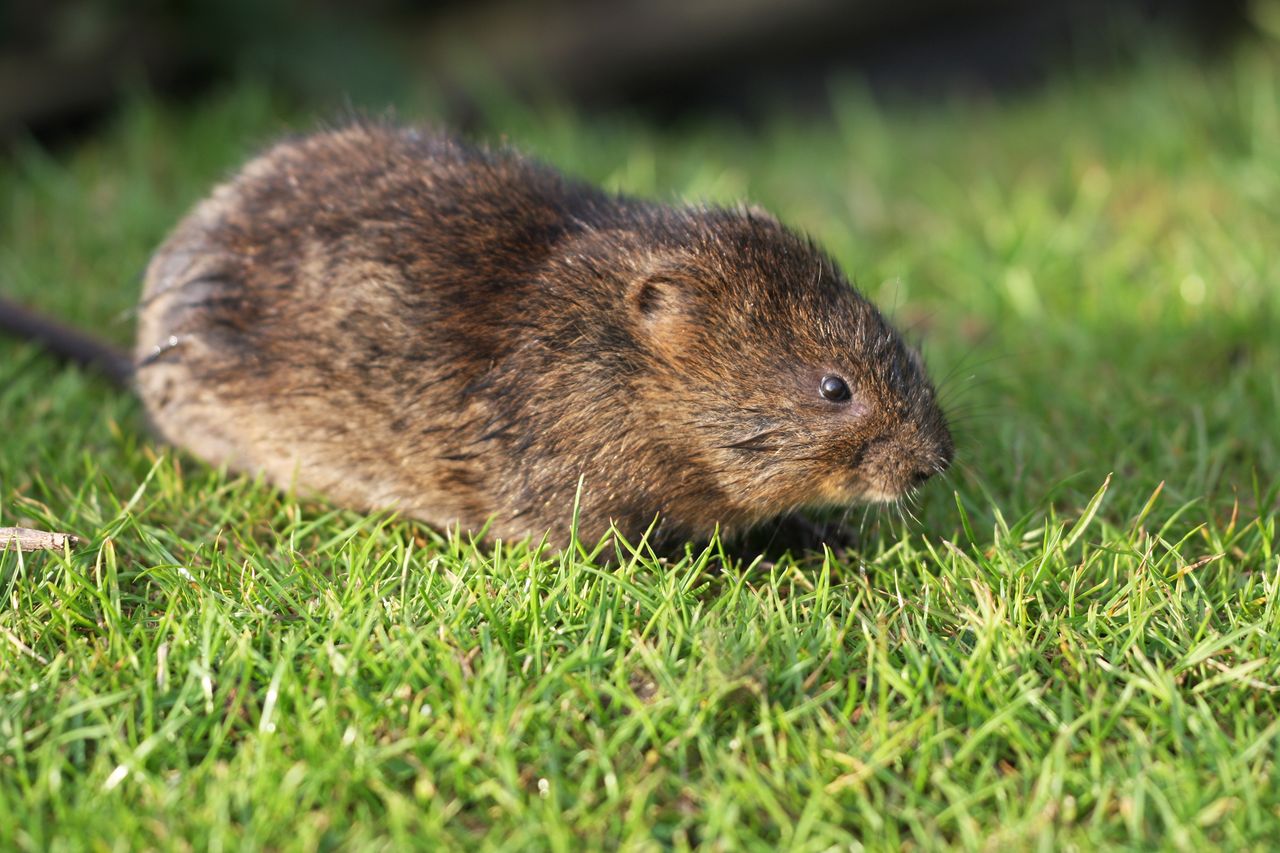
(65,342)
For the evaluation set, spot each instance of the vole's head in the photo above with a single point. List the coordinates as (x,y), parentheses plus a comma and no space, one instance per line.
(784,386)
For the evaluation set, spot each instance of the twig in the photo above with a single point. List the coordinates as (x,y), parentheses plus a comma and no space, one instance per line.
(26,539)
(24,648)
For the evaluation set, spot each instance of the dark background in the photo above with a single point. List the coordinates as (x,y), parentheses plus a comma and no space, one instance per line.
(65,64)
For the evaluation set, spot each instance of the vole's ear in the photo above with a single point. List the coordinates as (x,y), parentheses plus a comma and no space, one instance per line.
(663,310)
(654,297)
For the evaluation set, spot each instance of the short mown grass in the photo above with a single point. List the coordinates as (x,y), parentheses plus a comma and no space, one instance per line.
(1075,642)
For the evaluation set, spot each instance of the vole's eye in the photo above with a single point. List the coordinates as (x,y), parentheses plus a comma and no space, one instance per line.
(834,388)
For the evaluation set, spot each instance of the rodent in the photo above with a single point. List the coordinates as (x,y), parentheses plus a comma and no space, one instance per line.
(393,318)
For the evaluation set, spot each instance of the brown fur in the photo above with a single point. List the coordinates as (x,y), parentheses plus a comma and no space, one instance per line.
(394,319)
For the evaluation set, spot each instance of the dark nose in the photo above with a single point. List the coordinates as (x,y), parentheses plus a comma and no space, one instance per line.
(925,469)
(918,476)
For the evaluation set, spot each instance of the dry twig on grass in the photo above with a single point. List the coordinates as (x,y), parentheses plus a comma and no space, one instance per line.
(26,539)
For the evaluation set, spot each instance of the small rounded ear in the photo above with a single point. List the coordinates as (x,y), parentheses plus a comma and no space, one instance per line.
(664,311)
(653,297)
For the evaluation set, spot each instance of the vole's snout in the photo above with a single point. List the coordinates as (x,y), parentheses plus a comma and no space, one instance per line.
(937,456)
(895,465)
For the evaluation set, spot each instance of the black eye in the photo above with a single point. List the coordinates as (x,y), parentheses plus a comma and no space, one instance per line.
(834,388)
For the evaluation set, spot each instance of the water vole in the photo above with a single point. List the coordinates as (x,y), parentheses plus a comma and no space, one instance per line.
(392,318)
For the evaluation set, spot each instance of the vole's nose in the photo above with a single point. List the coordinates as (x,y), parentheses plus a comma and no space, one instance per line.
(923,469)
(899,464)
(918,476)
(936,463)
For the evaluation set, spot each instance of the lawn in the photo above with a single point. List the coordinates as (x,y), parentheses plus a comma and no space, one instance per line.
(1075,641)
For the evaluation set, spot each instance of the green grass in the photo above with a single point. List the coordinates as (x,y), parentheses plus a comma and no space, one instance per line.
(1047,658)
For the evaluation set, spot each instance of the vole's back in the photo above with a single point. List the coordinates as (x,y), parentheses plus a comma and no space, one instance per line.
(327,316)
(392,319)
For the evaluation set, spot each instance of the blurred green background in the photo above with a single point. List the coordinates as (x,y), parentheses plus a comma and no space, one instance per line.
(65,63)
